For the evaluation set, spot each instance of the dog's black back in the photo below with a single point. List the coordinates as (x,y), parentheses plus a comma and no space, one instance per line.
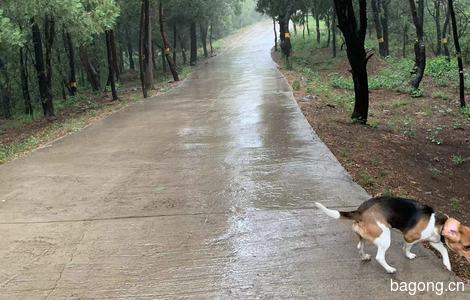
(401,213)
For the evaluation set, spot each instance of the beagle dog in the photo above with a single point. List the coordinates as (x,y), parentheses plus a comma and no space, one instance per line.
(374,219)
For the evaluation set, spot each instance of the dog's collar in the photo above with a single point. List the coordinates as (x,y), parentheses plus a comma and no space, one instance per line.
(443,240)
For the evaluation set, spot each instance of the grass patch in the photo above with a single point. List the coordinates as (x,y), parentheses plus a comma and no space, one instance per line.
(459,160)
(340,82)
(365,179)
(296,85)
(466,111)
(435,172)
(10,151)
(434,135)
(408,127)
(442,95)
(455,204)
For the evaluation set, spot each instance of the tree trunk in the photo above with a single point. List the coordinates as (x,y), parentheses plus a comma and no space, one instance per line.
(303,27)
(334,32)
(130,52)
(64,84)
(419,47)
(183,49)
(164,63)
(43,68)
(317,24)
(28,107)
(112,43)
(275,34)
(375,6)
(405,40)
(154,61)
(175,41)
(384,18)
(121,58)
(308,25)
(166,45)
(455,33)
(193,37)
(72,84)
(203,31)
(211,38)
(354,37)
(111,63)
(329,30)
(145,55)
(445,29)
(437,22)
(92,74)
(286,45)
(5,91)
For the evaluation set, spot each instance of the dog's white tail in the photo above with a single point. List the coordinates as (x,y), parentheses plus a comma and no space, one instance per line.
(329,212)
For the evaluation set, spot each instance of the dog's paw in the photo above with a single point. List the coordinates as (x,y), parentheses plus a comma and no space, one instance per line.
(410,255)
(365,257)
(391,270)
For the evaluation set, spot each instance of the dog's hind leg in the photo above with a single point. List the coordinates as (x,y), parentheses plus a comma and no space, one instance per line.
(383,243)
(360,247)
(407,249)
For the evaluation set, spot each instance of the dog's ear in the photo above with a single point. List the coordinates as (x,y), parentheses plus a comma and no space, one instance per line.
(451,230)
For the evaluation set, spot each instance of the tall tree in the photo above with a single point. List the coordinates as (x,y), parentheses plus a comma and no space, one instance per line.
(166,44)
(420,46)
(354,36)
(28,107)
(69,47)
(145,49)
(380,13)
(458,51)
(112,73)
(43,63)
(193,38)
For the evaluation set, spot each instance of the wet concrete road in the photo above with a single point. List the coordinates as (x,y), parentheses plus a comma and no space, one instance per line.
(205,192)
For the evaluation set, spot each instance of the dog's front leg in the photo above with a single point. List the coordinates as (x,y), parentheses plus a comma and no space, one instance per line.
(443,251)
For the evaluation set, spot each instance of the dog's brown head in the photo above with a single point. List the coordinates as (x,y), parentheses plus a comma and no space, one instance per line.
(457,237)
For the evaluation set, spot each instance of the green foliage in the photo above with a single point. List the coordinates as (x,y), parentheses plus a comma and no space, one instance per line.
(365,179)
(10,34)
(441,94)
(345,101)
(393,77)
(7,152)
(296,85)
(459,160)
(416,93)
(434,135)
(435,172)
(466,110)
(408,127)
(340,82)
(455,204)
(443,72)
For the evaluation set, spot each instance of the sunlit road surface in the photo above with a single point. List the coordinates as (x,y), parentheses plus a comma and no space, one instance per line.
(205,192)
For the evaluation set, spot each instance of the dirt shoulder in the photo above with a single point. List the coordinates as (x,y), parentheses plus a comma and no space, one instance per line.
(414,147)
